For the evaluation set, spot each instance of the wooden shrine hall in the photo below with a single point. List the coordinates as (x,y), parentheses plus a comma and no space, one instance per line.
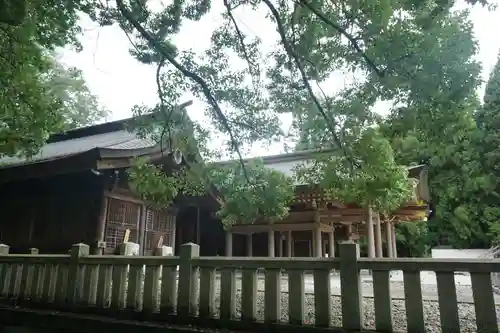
(316,224)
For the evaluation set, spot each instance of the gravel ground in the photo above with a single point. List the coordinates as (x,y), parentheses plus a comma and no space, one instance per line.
(431,310)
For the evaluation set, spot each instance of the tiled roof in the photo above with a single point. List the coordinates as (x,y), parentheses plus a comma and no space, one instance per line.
(120,139)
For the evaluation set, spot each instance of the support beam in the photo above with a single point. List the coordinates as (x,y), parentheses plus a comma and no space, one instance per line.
(249,245)
(280,244)
(349,232)
(388,236)
(378,237)
(369,233)
(394,243)
(331,243)
(229,244)
(289,243)
(318,252)
(270,244)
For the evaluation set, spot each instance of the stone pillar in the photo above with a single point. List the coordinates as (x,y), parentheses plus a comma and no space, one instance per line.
(378,237)
(318,249)
(249,245)
(229,244)
(331,243)
(289,243)
(394,247)
(388,236)
(369,233)
(270,243)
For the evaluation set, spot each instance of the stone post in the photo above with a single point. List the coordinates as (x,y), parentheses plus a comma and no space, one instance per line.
(4,271)
(75,277)
(185,306)
(350,287)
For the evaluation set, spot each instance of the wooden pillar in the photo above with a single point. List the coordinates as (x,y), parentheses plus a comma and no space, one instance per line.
(270,243)
(369,233)
(318,250)
(349,231)
(331,243)
(280,245)
(173,216)
(229,244)
(197,225)
(394,246)
(143,211)
(249,245)
(388,236)
(289,243)
(101,226)
(378,237)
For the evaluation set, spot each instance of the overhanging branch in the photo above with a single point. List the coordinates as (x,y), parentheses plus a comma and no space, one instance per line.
(354,43)
(191,75)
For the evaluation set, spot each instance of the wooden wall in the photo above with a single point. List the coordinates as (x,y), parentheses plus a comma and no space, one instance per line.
(50,214)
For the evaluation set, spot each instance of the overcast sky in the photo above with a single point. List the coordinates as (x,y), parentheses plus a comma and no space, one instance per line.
(121,82)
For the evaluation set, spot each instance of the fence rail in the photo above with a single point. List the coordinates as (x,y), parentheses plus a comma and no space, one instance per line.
(185,286)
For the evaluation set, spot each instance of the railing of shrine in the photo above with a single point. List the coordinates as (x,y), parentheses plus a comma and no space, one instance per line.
(242,292)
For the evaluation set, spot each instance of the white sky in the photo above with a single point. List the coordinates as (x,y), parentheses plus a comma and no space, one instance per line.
(121,82)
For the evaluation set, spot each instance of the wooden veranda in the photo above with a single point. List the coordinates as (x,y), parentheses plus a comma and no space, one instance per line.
(316,223)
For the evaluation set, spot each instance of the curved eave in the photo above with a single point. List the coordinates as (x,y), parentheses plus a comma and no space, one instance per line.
(97,159)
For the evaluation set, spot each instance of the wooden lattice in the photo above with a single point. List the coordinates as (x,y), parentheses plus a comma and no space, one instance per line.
(159,223)
(121,215)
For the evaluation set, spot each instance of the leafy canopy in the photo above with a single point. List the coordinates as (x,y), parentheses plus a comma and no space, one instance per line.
(39,95)
(410,52)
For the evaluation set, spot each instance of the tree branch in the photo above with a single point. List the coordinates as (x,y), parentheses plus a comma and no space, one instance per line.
(295,57)
(191,75)
(241,39)
(352,40)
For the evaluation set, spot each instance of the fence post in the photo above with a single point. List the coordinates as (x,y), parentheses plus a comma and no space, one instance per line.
(120,276)
(27,280)
(75,276)
(350,287)
(4,270)
(187,284)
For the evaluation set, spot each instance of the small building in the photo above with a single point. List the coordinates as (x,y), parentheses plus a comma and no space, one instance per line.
(75,190)
(317,223)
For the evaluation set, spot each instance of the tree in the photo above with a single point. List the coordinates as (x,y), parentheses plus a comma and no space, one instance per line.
(459,146)
(404,51)
(33,101)
(487,143)
(79,107)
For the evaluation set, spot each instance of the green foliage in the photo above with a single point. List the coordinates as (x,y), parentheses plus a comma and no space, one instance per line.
(152,184)
(246,193)
(458,140)
(418,54)
(421,59)
(79,107)
(413,239)
(376,181)
(31,107)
